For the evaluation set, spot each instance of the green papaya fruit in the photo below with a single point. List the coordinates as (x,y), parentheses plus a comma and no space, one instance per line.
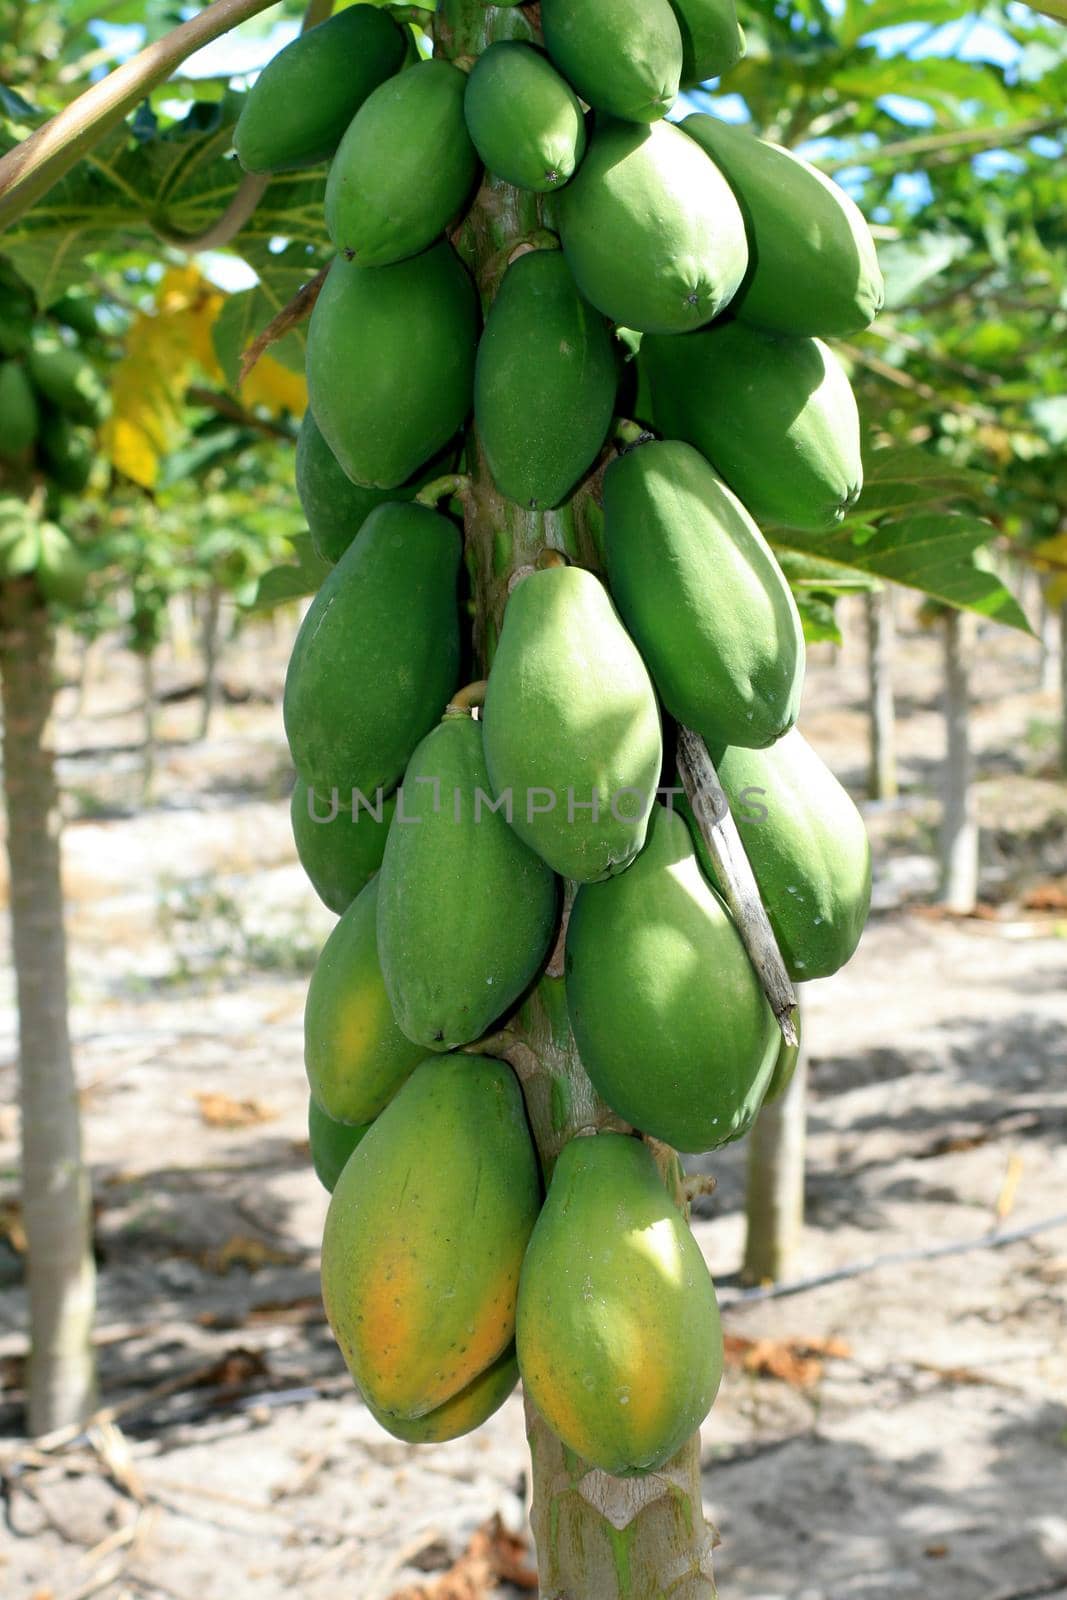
(355,1055)
(426,1233)
(526,122)
(78,313)
(814,266)
(544,383)
(377,654)
(465,1411)
(68,380)
(712,40)
(297,110)
(619,1340)
(809,851)
(61,571)
(622,56)
(331,1144)
(452,964)
(404,168)
(775,416)
(334,507)
(573,743)
(66,452)
(670,1020)
(19,415)
(390,362)
(16,321)
(653,235)
(703,596)
(339,852)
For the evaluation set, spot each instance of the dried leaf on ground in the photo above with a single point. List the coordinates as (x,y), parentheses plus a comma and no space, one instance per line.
(241,1250)
(221,1111)
(797,1362)
(493,1556)
(237,1368)
(1047,897)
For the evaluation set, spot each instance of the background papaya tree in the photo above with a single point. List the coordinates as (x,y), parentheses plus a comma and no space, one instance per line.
(917,524)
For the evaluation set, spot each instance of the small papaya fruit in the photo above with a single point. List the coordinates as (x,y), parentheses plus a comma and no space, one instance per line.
(61,571)
(334,507)
(426,1233)
(618,1335)
(19,413)
(622,56)
(404,167)
(712,39)
(703,596)
(66,452)
(653,235)
(526,122)
(544,383)
(573,743)
(808,848)
(390,362)
(331,1144)
(76,312)
(355,1055)
(465,1411)
(774,415)
(68,380)
(297,110)
(339,851)
(814,266)
(451,963)
(670,1020)
(377,654)
(16,320)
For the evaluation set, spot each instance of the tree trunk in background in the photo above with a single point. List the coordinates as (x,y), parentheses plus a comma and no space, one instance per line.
(210,655)
(56,1199)
(1063,688)
(1051,637)
(598,1538)
(148,703)
(881,637)
(774,1199)
(959,819)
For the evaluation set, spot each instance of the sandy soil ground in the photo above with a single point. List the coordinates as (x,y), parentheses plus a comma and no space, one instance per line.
(900,1431)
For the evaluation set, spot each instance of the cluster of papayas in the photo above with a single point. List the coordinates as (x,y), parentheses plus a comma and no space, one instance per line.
(443,828)
(52,396)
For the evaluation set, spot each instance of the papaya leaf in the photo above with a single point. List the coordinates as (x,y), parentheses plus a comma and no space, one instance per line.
(910,476)
(173,182)
(243,317)
(937,553)
(294,580)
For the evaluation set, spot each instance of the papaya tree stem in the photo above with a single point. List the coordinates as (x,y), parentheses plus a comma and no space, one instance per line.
(453,483)
(466,699)
(628,432)
(732,868)
(597,1537)
(418,15)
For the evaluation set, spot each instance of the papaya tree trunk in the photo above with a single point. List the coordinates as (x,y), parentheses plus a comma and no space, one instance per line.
(598,1538)
(774,1198)
(881,634)
(959,818)
(56,1200)
(210,653)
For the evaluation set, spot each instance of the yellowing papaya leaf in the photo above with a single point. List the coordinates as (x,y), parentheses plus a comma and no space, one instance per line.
(165,348)
(276,387)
